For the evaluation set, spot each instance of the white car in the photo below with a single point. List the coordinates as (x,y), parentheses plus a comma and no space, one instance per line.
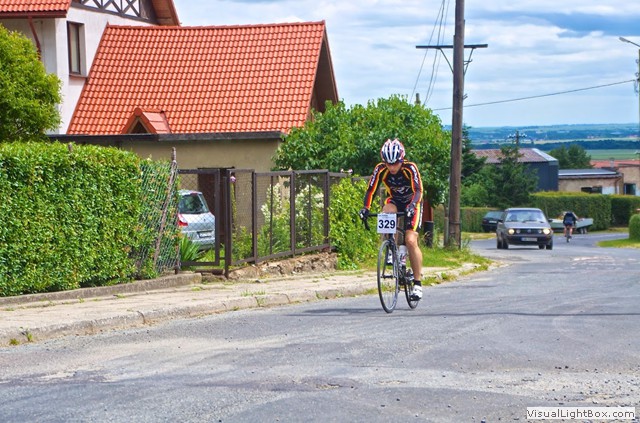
(195,220)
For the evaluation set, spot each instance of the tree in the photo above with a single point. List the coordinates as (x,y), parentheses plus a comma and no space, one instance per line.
(471,164)
(28,95)
(350,138)
(574,157)
(510,183)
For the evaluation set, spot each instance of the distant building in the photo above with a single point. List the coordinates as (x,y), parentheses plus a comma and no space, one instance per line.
(592,181)
(537,162)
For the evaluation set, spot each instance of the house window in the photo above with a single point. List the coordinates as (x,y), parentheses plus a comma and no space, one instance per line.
(75,35)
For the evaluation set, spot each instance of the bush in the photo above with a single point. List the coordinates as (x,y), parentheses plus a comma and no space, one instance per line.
(353,243)
(471,218)
(69,219)
(634,227)
(622,208)
(595,206)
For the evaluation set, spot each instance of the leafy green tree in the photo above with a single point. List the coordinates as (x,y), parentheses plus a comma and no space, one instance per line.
(471,164)
(574,157)
(350,138)
(510,182)
(28,95)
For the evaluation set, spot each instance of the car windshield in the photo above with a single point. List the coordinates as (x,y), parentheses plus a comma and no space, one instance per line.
(192,203)
(525,216)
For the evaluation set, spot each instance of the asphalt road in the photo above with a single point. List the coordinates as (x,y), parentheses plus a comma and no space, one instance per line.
(547,328)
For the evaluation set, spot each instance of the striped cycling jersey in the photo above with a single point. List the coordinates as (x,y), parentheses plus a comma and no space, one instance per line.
(404,187)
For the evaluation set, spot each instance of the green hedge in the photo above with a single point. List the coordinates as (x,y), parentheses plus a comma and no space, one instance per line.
(634,227)
(471,218)
(595,206)
(622,208)
(69,219)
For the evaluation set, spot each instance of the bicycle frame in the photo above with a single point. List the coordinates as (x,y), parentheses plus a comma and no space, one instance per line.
(392,275)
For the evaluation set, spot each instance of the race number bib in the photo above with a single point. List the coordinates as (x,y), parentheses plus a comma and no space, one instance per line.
(386,223)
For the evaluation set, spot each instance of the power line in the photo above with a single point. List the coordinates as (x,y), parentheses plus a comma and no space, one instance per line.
(541,95)
(439,25)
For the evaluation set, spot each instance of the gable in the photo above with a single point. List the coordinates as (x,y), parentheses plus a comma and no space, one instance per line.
(208,79)
(161,12)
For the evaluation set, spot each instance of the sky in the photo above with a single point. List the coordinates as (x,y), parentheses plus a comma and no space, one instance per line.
(542,64)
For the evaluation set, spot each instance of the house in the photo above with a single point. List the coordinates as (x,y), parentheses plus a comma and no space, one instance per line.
(538,162)
(630,171)
(223,96)
(592,181)
(67,32)
(132,77)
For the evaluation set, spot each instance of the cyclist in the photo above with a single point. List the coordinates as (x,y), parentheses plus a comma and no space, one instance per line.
(569,221)
(403,185)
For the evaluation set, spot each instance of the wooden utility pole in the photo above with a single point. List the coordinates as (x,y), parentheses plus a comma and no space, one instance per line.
(453,231)
(454,237)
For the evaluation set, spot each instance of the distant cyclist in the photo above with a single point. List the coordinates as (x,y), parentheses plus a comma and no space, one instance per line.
(403,184)
(569,221)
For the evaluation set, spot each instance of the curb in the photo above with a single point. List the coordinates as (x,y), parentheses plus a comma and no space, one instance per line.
(141,286)
(139,317)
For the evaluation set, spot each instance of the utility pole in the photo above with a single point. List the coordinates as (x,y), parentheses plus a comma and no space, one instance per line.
(624,40)
(453,232)
(455,178)
(517,136)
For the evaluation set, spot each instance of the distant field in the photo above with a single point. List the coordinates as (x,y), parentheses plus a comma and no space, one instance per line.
(612,154)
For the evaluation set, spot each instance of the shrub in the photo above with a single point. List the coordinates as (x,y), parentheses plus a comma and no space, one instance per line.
(353,243)
(69,218)
(595,206)
(622,208)
(634,227)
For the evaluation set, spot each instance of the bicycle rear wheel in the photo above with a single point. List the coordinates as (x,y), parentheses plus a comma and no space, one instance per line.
(408,288)
(388,276)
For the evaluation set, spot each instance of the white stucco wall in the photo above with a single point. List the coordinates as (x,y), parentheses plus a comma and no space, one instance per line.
(52,35)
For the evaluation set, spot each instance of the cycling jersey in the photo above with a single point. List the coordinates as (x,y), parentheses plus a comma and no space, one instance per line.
(403,188)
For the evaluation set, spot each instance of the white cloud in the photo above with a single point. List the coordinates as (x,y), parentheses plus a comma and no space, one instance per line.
(535,47)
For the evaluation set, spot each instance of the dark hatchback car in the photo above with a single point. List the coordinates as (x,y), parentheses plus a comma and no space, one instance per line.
(524,226)
(490,220)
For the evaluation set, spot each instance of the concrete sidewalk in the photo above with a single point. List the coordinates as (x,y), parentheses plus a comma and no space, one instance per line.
(32,318)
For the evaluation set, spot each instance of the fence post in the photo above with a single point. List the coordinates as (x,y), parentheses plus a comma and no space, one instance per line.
(165,207)
(292,212)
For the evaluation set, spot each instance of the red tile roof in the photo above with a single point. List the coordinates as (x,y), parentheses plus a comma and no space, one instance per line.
(205,79)
(153,121)
(614,163)
(165,10)
(57,7)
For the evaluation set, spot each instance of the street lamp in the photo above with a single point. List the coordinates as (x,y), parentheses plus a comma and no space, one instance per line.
(624,40)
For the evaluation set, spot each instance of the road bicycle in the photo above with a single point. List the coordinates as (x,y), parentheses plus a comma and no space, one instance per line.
(567,232)
(392,270)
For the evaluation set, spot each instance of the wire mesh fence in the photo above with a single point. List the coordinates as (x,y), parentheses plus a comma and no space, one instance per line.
(158,252)
(231,216)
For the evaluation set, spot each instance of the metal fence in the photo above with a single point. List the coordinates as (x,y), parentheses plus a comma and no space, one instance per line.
(262,215)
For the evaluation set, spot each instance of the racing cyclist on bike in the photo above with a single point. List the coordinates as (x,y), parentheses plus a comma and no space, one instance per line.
(403,185)
(569,221)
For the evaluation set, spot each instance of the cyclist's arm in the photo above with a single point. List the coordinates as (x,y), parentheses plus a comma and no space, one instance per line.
(374,182)
(416,183)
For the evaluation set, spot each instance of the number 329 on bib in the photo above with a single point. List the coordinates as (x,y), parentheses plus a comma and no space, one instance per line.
(386,223)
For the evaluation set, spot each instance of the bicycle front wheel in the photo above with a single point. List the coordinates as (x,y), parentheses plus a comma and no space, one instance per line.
(388,276)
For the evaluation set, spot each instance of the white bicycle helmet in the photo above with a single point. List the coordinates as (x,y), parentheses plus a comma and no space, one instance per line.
(392,151)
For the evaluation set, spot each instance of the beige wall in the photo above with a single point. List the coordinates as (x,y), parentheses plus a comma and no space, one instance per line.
(609,186)
(631,175)
(254,154)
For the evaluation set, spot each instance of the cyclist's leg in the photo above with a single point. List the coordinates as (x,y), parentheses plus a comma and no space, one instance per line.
(389,207)
(415,253)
